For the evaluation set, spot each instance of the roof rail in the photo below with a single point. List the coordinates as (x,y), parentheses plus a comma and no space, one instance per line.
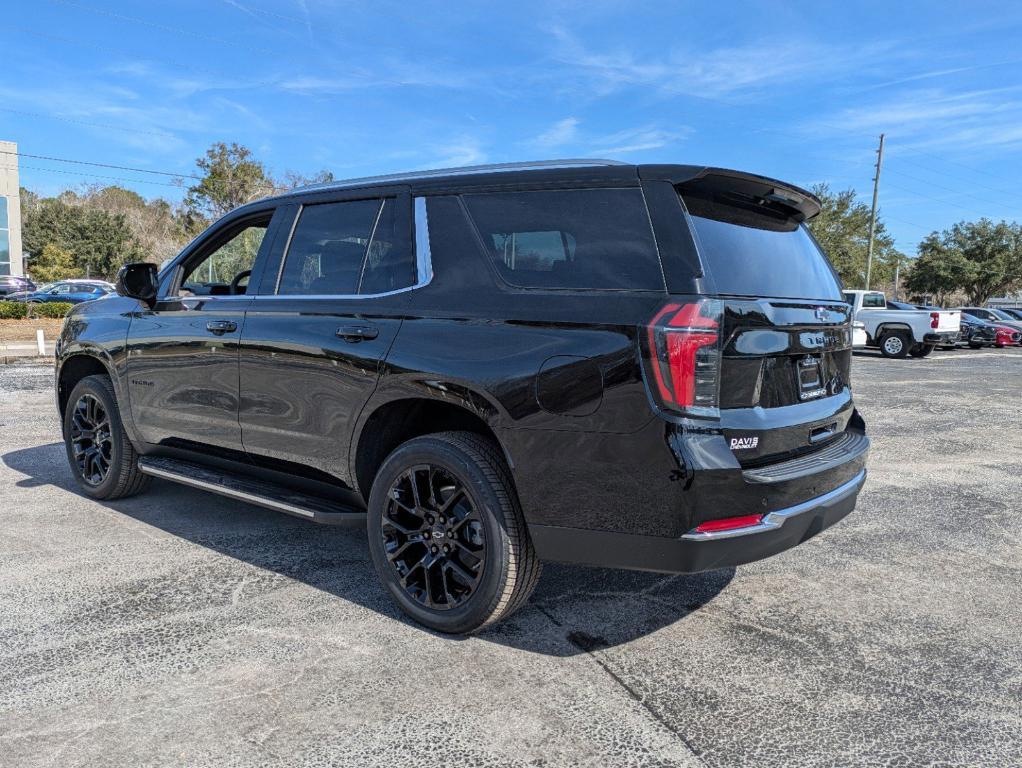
(466,170)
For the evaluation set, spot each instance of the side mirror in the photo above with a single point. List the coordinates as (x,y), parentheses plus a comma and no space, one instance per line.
(138,281)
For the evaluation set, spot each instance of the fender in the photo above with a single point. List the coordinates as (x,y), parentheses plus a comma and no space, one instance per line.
(893,326)
(465,395)
(92,330)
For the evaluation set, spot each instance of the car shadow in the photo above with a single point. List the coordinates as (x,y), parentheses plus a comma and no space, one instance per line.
(574,609)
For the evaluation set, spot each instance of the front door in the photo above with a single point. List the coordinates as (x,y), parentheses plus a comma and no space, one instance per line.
(182,363)
(316,338)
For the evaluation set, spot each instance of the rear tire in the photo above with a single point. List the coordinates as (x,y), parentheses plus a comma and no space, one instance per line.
(102,458)
(921,350)
(894,344)
(447,535)
(975,345)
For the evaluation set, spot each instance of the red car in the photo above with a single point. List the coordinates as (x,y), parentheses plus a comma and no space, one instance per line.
(1007,337)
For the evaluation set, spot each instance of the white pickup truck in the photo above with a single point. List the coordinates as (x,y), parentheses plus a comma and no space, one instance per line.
(901,332)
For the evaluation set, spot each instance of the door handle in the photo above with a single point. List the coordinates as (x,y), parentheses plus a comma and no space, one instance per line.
(220,327)
(357,333)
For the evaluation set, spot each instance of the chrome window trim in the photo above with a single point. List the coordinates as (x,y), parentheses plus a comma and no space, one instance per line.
(423,255)
(774,520)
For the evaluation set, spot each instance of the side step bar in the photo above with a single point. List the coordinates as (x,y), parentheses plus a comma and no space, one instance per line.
(252,491)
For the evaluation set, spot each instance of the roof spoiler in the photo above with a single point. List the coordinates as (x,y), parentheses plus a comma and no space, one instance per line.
(715,182)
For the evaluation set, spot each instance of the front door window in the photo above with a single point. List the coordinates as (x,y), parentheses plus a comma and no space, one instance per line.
(225,271)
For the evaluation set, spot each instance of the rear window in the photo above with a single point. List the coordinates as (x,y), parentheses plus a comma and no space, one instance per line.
(747,254)
(580,239)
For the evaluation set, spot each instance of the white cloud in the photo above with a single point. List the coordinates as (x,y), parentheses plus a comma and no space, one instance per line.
(718,73)
(639,139)
(458,151)
(562,132)
(935,118)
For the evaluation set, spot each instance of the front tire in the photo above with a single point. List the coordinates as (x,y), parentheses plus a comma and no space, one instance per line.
(103,460)
(894,344)
(447,535)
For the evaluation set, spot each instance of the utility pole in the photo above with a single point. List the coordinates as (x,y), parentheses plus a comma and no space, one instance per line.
(873,216)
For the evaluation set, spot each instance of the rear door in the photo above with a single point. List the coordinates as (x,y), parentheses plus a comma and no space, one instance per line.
(316,336)
(786,334)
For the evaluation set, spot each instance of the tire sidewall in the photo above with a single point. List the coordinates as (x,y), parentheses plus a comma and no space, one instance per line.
(429,450)
(902,352)
(90,385)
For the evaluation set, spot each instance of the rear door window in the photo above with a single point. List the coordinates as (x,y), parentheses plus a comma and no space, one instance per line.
(750,254)
(576,239)
(346,249)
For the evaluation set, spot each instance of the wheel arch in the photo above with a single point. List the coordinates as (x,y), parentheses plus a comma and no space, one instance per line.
(885,327)
(384,427)
(76,367)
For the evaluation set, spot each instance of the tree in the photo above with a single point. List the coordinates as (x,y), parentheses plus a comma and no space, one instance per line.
(293,180)
(52,264)
(160,229)
(99,242)
(981,258)
(842,229)
(938,270)
(229,178)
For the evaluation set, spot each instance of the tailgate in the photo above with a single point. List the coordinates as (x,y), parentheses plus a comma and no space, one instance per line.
(949,321)
(785,373)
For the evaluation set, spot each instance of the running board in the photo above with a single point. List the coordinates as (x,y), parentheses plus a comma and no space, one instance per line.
(265,494)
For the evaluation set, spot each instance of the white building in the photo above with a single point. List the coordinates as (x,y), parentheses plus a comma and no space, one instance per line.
(11,260)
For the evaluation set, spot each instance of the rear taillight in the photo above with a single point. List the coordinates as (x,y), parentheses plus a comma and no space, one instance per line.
(934,319)
(683,342)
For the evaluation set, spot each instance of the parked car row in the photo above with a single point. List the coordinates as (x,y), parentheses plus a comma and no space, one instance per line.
(899,331)
(977,333)
(899,328)
(72,291)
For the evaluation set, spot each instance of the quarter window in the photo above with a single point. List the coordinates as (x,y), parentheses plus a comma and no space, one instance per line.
(346,249)
(583,238)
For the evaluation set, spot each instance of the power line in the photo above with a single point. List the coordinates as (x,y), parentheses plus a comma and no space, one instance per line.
(101,165)
(946,189)
(939,200)
(906,221)
(223,74)
(88,175)
(964,180)
(164,27)
(83,122)
(263,11)
(961,165)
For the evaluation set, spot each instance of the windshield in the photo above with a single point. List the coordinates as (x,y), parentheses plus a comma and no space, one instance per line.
(753,255)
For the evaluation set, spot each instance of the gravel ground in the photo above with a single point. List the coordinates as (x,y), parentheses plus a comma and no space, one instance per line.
(179,628)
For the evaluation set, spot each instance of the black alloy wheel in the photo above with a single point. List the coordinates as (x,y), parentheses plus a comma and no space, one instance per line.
(447,535)
(90,437)
(433,537)
(101,456)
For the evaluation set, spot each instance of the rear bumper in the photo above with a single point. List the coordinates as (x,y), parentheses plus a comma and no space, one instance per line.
(948,337)
(779,530)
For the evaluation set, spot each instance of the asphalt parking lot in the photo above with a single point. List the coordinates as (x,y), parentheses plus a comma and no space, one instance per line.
(180,628)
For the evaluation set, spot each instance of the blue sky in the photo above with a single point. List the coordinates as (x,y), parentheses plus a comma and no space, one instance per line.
(798,91)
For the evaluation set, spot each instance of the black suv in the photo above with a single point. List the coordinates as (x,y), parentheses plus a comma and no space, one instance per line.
(584,361)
